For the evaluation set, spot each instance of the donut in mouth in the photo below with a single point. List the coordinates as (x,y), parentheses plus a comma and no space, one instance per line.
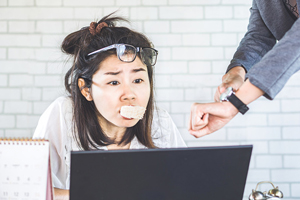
(132,112)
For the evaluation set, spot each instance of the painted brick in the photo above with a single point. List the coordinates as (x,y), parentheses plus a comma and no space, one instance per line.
(14,66)
(52,40)
(31,94)
(7,121)
(1,106)
(27,121)
(37,68)
(198,94)
(49,27)
(128,2)
(187,137)
(199,143)
(291,161)
(171,67)
(181,107)
(164,105)
(218,12)
(219,67)
(88,13)
(21,53)
(256,175)
(3,3)
(165,39)
(49,54)
(162,81)
(235,26)
(284,119)
(285,175)
(196,39)
(284,147)
(194,2)
(289,93)
(157,26)
(47,80)
(71,26)
(294,80)
(292,105)
(224,39)
(17,107)
(21,27)
(32,13)
(88,3)
(21,2)
(199,67)
(241,12)
(10,94)
(143,13)
(1,131)
(125,11)
(295,190)
(2,53)
(40,107)
(259,147)
(290,133)
(203,26)
(3,80)
(194,80)
(182,12)
(3,27)
(48,3)
(254,133)
(268,161)
(178,120)
(154,2)
(229,52)
(236,2)
(197,53)
(262,106)
(18,40)
(164,54)
(20,80)
(169,94)
(57,68)
(18,133)
(219,135)
(50,94)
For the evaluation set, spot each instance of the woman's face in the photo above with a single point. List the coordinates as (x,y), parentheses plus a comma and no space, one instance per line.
(118,84)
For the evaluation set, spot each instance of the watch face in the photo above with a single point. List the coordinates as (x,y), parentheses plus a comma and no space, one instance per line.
(227,93)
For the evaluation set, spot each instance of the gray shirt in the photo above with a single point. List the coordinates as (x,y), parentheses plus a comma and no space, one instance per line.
(269,64)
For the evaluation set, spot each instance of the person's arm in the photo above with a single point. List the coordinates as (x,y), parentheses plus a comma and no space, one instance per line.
(60,194)
(206,118)
(257,41)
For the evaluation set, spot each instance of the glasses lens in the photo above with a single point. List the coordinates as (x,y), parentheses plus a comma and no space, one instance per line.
(149,56)
(126,53)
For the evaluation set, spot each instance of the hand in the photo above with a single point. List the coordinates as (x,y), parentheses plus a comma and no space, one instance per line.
(210,117)
(233,78)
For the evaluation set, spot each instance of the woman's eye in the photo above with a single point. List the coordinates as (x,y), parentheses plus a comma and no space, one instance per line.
(113,83)
(138,80)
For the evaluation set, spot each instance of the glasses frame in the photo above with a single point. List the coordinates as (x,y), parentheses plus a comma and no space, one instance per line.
(117,46)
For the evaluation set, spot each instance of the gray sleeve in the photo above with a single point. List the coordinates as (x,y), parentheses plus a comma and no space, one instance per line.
(256,43)
(279,64)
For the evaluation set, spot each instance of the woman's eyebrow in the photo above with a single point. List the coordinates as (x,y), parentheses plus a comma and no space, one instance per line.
(112,73)
(138,70)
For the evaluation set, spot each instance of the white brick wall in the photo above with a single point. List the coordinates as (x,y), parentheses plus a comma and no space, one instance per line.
(195,40)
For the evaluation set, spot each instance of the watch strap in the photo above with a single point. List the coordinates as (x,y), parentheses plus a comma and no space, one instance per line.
(243,108)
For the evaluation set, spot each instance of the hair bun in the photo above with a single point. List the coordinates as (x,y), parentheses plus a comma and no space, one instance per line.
(96,28)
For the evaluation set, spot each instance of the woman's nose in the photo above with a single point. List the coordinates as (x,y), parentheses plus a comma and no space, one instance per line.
(128,93)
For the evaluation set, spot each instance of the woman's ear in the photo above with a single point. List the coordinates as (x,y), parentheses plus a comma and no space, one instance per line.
(85,91)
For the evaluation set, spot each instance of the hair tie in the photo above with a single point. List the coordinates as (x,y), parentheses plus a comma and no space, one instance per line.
(95,29)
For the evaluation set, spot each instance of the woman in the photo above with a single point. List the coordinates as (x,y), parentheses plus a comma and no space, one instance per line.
(112,69)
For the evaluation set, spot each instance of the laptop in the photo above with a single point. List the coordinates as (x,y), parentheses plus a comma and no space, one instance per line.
(207,173)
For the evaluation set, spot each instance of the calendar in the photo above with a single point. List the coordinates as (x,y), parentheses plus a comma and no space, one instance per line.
(25,171)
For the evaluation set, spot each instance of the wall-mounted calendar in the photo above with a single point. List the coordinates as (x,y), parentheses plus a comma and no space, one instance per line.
(25,171)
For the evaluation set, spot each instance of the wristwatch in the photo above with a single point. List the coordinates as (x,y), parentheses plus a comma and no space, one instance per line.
(229,95)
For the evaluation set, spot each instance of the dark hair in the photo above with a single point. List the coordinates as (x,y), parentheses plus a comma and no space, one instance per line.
(87,130)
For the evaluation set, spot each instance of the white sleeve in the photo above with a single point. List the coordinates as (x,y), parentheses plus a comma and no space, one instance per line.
(53,127)
(165,133)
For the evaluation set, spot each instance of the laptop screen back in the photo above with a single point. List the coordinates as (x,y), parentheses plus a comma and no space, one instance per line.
(160,174)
